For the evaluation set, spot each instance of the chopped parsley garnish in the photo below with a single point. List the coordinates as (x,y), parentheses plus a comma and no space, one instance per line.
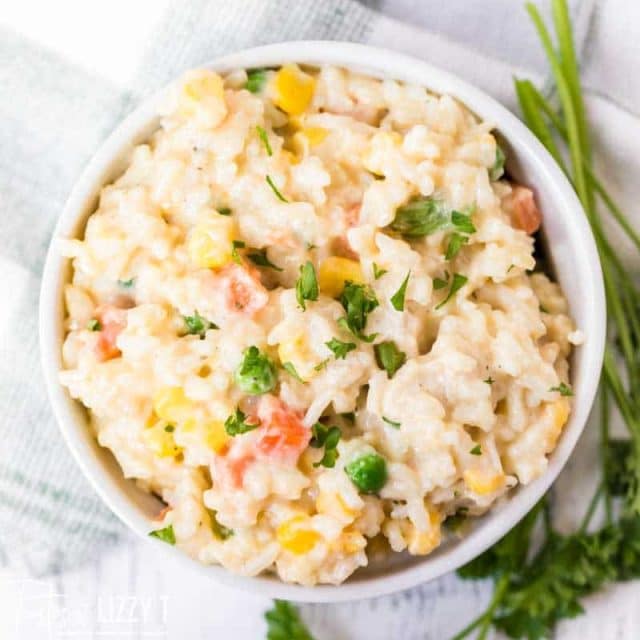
(327,437)
(283,623)
(427,215)
(511,266)
(440,283)
(397,300)
(392,423)
(256,79)
(350,416)
(259,258)
(169,428)
(368,472)
(235,245)
(196,325)
(275,190)
(378,272)
(488,380)
(219,530)
(339,348)
(456,284)
(291,370)
(256,374)
(358,301)
(166,535)
(307,285)
(476,451)
(126,284)
(237,424)
(497,170)
(424,216)
(456,241)
(320,366)
(262,134)
(562,389)
(94,325)
(224,211)
(389,357)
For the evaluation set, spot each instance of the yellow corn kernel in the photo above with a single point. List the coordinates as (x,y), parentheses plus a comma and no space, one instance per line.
(159,438)
(297,351)
(482,481)
(376,154)
(210,245)
(296,539)
(335,271)
(332,504)
(293,89)
(420,543)
(560,413)
(315,135)
(171,404)
(561,410)
(216,437)
(203,97)
(202,84)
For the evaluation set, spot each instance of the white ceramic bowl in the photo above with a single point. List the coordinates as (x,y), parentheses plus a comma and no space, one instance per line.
(569,243)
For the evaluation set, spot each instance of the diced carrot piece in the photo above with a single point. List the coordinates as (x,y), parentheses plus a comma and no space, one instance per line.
(112,321)
(244,292)
(282,435)
(521,205)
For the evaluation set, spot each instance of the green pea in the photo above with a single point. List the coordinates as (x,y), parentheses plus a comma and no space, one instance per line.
(368,472)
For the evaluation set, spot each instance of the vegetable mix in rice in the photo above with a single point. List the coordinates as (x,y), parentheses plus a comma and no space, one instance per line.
(307,317)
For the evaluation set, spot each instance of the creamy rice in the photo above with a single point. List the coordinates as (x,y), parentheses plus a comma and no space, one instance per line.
(307,316)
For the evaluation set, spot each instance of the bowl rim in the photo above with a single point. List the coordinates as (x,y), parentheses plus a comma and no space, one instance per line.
(379,62)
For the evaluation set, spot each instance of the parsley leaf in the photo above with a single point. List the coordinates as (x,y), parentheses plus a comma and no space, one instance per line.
(489,380)
(166,535)
(291,370)
(421,217)
(378,272)
(224,211)
(392,423)
(389,357)
(237,424)
(237,244)
(307,285)
(256,374)
(397,300)
(219,530)
(94,325)
(256,79)
(562,389)
(339,348)
(497,170)
(456,242)
(283,623)
(358,301)
(327,437)
(476,451)
(196,325)
(262,134)
(456,284)
(259,258)
(440,283)
(126,284)
(275,189)
(424,216)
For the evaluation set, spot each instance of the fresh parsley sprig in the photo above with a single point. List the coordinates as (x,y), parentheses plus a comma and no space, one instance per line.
(307,285)
(358,300)
(284,623)
(327,437)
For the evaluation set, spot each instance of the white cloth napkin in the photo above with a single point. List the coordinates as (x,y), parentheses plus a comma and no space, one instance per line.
(66,84)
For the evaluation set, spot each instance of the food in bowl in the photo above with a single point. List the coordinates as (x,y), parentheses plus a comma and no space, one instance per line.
(308,317)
